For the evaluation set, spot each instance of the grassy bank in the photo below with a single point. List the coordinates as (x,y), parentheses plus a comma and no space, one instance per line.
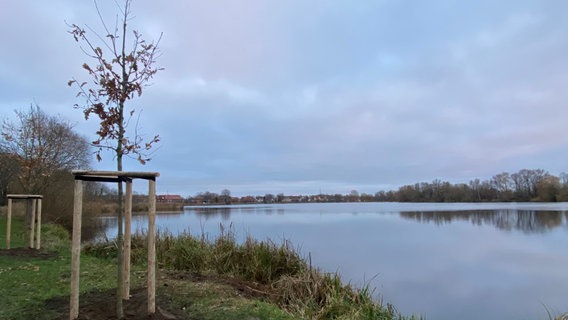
(273,273)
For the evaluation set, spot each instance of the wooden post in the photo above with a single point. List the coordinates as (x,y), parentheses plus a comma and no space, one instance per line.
(151,246)
(38,225)
(32,222)
(76,250)
(127,239)
(9,223)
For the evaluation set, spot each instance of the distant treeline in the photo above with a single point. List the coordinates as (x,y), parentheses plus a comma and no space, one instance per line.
(522,186)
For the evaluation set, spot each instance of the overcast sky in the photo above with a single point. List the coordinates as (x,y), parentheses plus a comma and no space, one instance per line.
(304,96)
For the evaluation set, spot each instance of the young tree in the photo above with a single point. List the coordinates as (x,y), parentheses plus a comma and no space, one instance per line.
(119,71)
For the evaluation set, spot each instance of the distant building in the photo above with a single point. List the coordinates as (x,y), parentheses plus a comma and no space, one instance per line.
(294,199)
(169,198)
(247,200)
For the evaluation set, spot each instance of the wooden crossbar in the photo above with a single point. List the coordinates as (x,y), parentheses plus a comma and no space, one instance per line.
(24,196)
(118,175)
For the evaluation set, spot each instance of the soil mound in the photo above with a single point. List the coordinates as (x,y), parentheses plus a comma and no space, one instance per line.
(26,253)
(101,305)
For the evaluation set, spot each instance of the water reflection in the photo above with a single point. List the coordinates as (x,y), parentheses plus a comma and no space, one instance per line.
(213,212)
(225,212)
(524,220)
(527,221)
(94,228)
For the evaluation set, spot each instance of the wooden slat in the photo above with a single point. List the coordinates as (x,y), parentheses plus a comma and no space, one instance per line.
(24,196)
(38,225)
(101,179)
(9,223)
(151,247)
(76,250)
(82,174)
(32,224)
(127,240)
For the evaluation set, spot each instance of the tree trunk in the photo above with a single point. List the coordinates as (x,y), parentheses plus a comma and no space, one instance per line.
(120,244)
(120,255)
(120,219)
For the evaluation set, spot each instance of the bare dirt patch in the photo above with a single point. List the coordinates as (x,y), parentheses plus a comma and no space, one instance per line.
(26,253)
(102,305)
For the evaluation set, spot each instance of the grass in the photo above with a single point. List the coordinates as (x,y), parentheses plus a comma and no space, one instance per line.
(26,285)
(17,234)
(275,272)
(211,300)
(26,282)
(551,316)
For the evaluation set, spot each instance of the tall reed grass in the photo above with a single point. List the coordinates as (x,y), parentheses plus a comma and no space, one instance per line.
(290,281)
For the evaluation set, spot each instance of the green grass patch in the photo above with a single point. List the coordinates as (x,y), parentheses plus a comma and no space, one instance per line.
(27,282)
(18,234)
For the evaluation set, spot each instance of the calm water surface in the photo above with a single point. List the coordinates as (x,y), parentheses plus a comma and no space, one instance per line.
(442,261)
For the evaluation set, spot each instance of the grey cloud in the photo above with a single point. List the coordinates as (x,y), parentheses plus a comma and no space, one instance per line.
(296,95)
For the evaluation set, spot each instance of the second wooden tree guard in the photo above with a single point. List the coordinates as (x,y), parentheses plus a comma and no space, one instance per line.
(35,220)
(115,176)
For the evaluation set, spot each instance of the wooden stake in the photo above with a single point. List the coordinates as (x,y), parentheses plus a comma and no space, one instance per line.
(32,222)
(151,246)
(127,240)
(9,223)
(76,250)
(38,226)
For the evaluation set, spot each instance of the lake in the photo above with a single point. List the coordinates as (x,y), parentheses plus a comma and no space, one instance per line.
(440,260)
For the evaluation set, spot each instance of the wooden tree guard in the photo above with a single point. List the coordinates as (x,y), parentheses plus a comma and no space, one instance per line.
(115,176)
(35,229)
